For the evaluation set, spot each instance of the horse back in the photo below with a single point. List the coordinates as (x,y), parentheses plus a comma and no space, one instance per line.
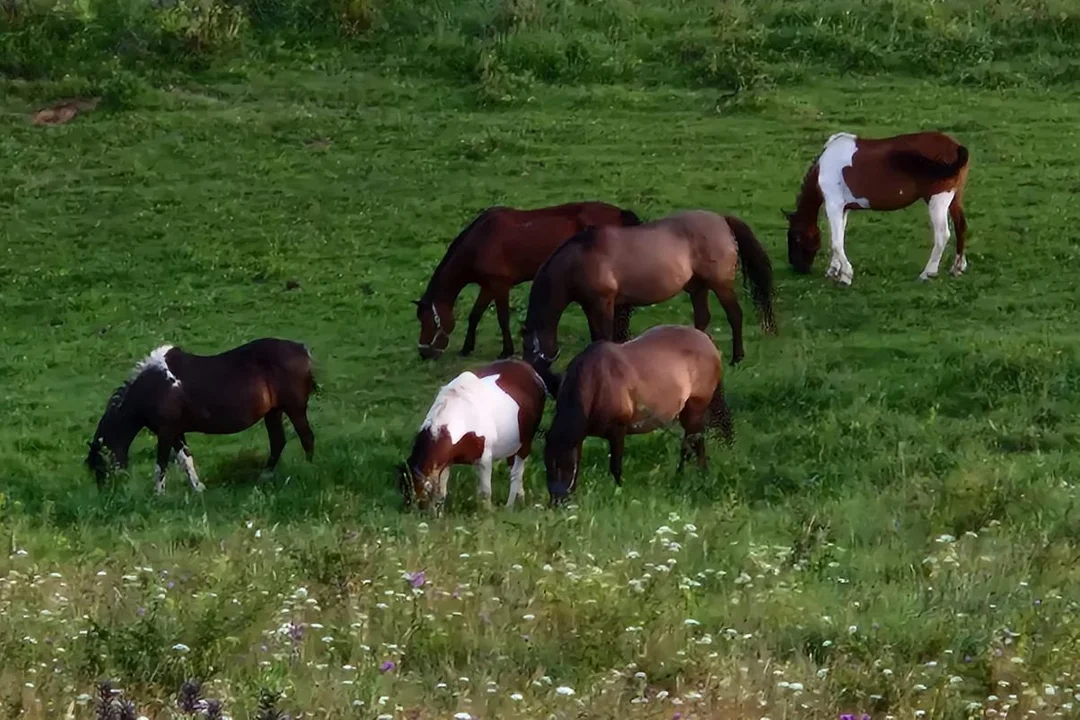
(276,371)
(520,382)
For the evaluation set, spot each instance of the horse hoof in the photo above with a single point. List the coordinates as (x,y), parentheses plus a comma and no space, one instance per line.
(736,359)
(465,352)
(198,487)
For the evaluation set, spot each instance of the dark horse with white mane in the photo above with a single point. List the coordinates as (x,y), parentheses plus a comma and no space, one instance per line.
(857,173)
(612,390)
(501,248)
(172,392)
(604,269)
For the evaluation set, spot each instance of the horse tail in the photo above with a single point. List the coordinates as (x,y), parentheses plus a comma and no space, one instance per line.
(629,218)
(313,386)
(757,271)
(915,163)
(623,314)
(718,417)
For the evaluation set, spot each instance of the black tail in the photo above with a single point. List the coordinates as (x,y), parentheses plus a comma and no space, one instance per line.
(757,271)
(622,322)
(313,387)
(718,418)
(630,218)
(919,165)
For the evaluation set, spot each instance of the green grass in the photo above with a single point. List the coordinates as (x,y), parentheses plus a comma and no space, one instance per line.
(894,528)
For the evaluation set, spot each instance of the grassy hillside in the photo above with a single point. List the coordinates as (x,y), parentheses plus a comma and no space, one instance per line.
(893,533)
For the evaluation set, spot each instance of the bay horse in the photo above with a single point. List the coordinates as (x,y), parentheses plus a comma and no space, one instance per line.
(858,173)
(173,392)
(480,416)
(612,390)
(502,247)
(605,269)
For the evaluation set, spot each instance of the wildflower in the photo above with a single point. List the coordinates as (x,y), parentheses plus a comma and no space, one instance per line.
(564,690)
(528,616)
(640,675)
(387,666)
(690,622)
(664,530)
(181,648)
(852,629)
(517,697)
(417,579)
(462,716)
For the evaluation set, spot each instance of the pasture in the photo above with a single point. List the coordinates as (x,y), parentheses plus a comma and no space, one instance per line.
(894,531)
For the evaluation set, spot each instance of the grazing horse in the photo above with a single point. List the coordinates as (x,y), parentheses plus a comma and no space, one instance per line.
(477,418)
(857,173)
(611,268)
(172,392)
(613,390)
(501,248)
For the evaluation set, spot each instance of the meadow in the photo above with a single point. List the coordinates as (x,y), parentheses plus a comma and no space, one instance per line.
(893,533)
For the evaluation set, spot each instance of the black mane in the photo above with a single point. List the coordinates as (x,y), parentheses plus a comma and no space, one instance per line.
(453,247)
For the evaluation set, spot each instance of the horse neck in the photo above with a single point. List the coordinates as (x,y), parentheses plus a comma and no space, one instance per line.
(548,298)
(448,280)
(118,428)
(571,421)
(808,204)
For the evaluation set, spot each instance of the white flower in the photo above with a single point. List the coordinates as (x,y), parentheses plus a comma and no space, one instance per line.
(517,697)
(689,527)
(796,686)
(955,680)
(181,648)
(945,539)
(1018,661)
(640,675)
(919,688)
(462,716)
(690,622)
(852,629)
(528,616)
(633,554)
(564,690)
(664,530)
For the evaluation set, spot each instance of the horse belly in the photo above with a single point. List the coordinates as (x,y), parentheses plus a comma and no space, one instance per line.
(644,283)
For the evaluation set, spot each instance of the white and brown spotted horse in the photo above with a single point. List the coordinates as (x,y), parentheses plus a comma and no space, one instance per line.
(858,173)
(483,415)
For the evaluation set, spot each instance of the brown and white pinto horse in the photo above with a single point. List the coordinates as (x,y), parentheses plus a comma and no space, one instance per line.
(479,417)
(501,248)
(613,390)
(172,392)
(857,173)
(610,269)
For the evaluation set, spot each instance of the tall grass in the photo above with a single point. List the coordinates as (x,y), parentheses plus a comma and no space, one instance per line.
(505,45)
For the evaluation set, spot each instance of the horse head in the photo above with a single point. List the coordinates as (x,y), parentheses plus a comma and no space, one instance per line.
(435,328)
(562,464)
(804,241)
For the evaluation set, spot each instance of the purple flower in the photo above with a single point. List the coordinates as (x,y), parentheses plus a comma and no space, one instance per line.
(967,658)
(141,611)
(387,666)
(296,632)
(677,716)
(417,579)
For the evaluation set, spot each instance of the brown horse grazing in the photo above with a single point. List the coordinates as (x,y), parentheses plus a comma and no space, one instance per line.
(480,416)
(613,390)
(501,248)
(603,269)
(855,173)
(172,392)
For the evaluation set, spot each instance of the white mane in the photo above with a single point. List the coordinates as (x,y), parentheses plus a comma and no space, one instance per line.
(155,361)
(839,135)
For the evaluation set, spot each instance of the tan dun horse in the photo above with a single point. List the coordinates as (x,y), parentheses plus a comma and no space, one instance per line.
(857,173)
(172,392)
(481,416)
(603,269)
(613,390)
(501,248)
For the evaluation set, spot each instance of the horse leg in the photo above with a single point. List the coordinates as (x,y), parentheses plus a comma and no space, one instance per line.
(699,298)
(730,302)
(164,448)
(483,299)
(184,457)
(956,212)
(601,317)
(483,479)
(616,443)
(517,484)
(298,418)
(502,309)
(275,431)
(839,267)
(692,418)
(939,220)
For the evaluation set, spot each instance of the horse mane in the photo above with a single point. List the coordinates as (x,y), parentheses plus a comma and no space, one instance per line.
(809,190)
(154,362)
(570,409)
(453,247)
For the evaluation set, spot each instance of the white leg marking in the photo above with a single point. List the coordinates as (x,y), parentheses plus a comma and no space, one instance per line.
(517,486)
(188,463)
(839,267)
(939,220)
(483,479)
(159,479)
(444,480)
(959,265)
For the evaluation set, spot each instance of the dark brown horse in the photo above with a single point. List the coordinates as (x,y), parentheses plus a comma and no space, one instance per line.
(856,173)
(605,269)
(172,392)
(613,390)
(501,248)
(481,416)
